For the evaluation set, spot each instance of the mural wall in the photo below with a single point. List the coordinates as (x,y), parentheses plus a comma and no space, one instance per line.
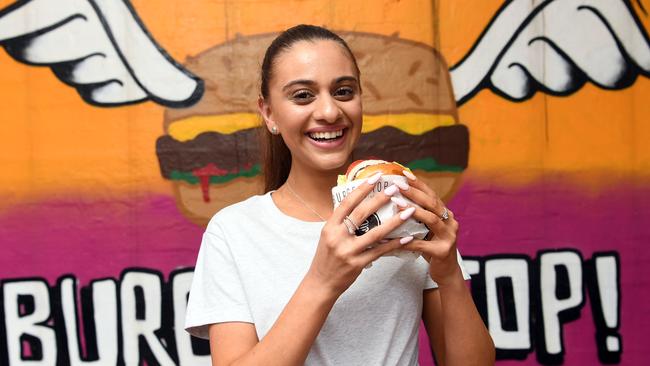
(127,124)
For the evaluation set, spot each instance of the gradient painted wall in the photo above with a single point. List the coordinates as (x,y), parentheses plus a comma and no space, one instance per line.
(553,198)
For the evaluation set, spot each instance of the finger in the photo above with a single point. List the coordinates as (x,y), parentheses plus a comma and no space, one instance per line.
(370,255)
(360,215)
(467,75)
(431,220)
(413,181)
(353,199)
(627,31)
(429,202)
(381,231)
(92,70)
(438,249)
(74,40)
(113,92)
(154,69)
(606,71)
(24,18)
(441,229)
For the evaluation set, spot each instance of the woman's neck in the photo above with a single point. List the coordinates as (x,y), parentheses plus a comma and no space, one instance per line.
(306,195)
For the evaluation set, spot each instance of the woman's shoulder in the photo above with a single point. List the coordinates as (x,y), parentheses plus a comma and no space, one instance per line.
(250,208)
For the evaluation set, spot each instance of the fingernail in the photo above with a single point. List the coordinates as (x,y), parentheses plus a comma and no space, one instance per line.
(375,178)
(390,190)
(405,240)
(384,241)
(399,201)
(408,174)
(407,213)
(402,185)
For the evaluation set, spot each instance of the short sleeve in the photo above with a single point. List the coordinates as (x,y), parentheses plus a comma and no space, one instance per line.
(432,284)
(217,294)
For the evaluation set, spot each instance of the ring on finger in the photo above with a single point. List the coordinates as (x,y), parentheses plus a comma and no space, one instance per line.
(445,214)
(350,225)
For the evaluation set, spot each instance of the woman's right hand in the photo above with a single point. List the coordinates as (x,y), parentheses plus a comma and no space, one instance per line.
(340,256)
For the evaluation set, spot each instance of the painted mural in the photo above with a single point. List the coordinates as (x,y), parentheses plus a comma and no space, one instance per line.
(127,124)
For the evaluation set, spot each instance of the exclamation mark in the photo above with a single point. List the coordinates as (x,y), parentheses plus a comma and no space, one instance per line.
(603,281)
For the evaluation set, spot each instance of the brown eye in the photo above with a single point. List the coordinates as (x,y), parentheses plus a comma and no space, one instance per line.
(302,96)
(344,93)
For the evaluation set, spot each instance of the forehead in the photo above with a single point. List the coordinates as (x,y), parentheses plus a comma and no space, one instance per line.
(313,60)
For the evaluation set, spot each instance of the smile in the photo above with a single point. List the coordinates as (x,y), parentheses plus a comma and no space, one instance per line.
(326,136)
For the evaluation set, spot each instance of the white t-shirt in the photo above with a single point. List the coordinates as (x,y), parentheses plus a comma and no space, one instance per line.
(251,261)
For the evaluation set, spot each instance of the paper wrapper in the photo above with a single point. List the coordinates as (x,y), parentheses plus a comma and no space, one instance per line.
(409,227)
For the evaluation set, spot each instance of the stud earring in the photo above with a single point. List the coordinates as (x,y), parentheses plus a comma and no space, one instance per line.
(274,130)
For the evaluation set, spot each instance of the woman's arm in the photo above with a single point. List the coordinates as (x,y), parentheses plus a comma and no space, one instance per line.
(456,330)
(287,342)
(431,309)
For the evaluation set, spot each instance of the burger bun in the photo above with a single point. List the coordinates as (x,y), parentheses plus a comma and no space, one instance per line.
(362,169)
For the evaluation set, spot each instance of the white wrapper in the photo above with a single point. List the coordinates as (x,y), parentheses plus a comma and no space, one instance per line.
(409,227)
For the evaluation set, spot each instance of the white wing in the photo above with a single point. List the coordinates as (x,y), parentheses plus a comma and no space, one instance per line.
(100,47)
(555,46)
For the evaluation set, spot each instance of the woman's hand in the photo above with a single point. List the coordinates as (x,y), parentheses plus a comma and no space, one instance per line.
(439,247)
(341,255)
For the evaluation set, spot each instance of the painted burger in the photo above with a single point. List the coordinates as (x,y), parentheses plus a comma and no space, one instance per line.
(211,151)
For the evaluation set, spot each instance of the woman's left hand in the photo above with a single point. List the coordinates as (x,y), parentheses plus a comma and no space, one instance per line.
(439,247)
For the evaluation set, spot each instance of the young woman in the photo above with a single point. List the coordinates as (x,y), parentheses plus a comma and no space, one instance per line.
(279,279)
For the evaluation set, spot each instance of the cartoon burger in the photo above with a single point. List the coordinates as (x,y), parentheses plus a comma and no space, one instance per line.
(211,150)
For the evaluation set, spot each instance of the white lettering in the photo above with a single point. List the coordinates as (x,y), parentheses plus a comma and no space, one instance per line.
(21,321)
(515,271)
(134,328)
(104,301)
(553,307)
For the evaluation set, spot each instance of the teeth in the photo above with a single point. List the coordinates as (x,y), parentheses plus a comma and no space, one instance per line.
(326,135)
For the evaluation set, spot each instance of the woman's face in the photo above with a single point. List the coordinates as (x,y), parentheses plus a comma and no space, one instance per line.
(315,103)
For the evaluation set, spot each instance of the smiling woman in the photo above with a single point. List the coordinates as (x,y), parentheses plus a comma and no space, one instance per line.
(285,266)
(297,92)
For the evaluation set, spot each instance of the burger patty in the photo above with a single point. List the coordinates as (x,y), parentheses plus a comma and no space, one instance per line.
(230,152)
(448,146)
(441,149)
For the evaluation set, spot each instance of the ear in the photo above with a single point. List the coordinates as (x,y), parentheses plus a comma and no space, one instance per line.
(265,111)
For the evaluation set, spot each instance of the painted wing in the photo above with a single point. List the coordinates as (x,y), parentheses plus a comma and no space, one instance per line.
(555,46)
(99,47)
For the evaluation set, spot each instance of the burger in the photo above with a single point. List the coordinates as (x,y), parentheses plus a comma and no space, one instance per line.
(362,169)
(211,154)
(392,173)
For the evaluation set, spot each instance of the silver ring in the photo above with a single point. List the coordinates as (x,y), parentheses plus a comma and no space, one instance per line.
(445,215)
(352,227)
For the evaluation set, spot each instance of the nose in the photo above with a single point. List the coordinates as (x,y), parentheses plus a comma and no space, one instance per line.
(326,109)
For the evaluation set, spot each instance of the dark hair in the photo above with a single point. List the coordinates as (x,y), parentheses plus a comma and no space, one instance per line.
(277,157)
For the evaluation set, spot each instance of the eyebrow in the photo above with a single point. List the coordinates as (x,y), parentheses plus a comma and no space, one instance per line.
(311,82)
